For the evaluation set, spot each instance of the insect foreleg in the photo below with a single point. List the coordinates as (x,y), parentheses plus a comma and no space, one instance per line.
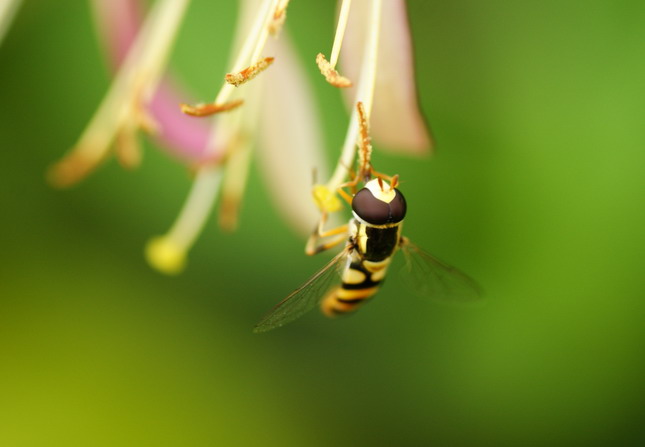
(313,246)
(345,195)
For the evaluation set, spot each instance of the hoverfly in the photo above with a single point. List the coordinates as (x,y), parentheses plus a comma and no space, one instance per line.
(373,236)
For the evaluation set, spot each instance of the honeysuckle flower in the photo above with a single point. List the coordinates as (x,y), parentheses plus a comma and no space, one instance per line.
(380,59)
(396,121)
(8,9)
(125,108)
(118,23)
(328,68)
(286,132)
(280,120)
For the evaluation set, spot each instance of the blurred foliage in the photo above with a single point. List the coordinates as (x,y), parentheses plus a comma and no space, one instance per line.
(536,190)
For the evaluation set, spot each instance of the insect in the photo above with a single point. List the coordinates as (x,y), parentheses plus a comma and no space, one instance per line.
(372,237)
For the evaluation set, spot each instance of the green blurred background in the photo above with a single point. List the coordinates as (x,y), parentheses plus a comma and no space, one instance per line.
(537,190)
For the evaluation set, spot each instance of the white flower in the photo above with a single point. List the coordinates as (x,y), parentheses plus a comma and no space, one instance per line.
(275,112)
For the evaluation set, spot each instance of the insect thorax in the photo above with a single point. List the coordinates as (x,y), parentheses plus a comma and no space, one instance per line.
(375,243)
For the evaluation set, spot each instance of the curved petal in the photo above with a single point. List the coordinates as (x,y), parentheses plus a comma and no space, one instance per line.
(396,121)
(185,136)
(8,9)
(118,22)
(290,144)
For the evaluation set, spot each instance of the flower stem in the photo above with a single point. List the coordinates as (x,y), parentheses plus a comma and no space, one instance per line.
(340,32)
(252,47)
(195,211)
(132,88)
(364,94)
(168,253)
(223,136)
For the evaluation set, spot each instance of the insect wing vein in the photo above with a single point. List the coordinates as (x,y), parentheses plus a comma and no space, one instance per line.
(430,277)
(304,298)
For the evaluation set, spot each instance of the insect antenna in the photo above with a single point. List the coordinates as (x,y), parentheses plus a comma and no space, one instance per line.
(394,182)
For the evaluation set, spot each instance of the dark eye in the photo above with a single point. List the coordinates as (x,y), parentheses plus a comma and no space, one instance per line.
(398,207)
(377,212)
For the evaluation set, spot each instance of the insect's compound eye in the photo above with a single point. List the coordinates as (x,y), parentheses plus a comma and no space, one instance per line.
(375,211)
(398,207)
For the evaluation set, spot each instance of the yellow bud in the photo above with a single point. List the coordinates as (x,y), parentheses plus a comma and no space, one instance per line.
(325,199)
(165,255)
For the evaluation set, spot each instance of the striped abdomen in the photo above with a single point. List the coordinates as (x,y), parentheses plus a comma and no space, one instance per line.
(361,280)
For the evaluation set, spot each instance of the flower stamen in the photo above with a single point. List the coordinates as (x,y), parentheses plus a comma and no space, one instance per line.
(328,68)
(248,73)
(331,75)
(279,17)
(251,49)
(340,32)
(143,66)
(127,148)
(234,184)
(225,134)
(325,199)
(365,145)
(167,253)
(201,110)
(364,94)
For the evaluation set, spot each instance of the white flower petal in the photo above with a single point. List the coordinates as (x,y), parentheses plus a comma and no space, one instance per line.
(118,22)
(290,144)
(396,121)
(8,9)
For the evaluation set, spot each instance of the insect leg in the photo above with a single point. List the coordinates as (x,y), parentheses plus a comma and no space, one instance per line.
(313,246)
(345,195)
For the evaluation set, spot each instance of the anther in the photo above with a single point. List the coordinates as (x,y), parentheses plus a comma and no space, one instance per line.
(365,153)
(328,68)
(71,169)
(279,17)
(127,148)
(201,110)
(331,75)
(248,73)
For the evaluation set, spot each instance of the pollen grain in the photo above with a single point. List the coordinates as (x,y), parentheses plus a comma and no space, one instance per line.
(248,73)
(279,17)
(202,110)
(331,75)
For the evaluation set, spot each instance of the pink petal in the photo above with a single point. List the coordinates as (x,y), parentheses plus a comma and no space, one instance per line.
(118,22)
(186,137)
(291,143)
(396,120)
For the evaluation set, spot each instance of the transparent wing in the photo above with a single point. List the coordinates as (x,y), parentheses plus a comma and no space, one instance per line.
(305,298)
(427,276)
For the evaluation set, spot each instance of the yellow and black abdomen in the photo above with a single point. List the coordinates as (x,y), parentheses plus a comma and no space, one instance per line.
(359,284)
(365,269)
